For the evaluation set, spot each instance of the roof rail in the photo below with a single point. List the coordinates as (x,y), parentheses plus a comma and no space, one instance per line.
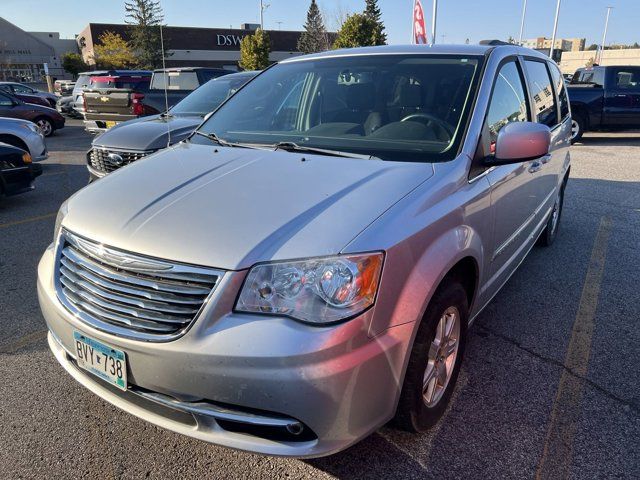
(494,43)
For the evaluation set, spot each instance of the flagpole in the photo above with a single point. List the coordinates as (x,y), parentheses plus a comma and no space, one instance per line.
(555,29)
(413,33)
(433,22)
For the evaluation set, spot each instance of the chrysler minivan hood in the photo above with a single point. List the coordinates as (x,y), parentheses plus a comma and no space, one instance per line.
(232,207)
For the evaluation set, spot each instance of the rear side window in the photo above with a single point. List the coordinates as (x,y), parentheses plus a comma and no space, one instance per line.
(627,78)
(5,101)
(175,81)
(544,101)
(562,91)
(508,101)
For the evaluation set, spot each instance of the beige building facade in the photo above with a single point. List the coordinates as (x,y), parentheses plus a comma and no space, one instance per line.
(564,44)
(571,61)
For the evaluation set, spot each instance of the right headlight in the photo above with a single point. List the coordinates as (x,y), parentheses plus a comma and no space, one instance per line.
(31,126)
(62,212)
(315,290)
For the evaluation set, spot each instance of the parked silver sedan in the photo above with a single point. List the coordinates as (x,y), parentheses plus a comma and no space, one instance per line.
(306,266)
(25,135)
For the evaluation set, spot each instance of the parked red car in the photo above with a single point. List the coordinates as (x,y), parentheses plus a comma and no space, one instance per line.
(48,119)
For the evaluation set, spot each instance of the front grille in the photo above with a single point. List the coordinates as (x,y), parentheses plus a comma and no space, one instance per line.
(128,294)
(99,158)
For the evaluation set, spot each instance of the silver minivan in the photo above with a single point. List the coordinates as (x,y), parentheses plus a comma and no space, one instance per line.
(304,268)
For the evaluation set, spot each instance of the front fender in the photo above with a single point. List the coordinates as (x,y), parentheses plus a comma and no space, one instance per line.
(409,281)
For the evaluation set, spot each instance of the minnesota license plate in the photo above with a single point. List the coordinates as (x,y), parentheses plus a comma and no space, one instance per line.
(110,124)
(102,360)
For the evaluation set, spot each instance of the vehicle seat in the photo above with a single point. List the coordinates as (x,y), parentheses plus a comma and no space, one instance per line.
(361,102)
(407,100)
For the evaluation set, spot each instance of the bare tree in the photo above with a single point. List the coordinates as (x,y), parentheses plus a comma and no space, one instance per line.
(334,15)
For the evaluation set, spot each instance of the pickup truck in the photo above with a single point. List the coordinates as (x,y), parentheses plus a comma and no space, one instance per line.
(604,98)
(124,100)
(114,98)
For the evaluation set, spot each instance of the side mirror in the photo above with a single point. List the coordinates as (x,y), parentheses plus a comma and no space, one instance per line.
(519,142)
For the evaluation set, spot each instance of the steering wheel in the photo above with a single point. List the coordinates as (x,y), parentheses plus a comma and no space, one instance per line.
(431,120)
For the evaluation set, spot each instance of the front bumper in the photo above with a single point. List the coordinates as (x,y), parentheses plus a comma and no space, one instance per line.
(336,382)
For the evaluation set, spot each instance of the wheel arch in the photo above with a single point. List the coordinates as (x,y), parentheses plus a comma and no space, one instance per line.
(14,140)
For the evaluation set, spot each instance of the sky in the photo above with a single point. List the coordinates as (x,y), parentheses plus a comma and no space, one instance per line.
(457,19)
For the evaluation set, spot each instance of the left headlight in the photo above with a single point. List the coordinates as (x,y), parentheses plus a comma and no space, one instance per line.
(317,290)
(62,212)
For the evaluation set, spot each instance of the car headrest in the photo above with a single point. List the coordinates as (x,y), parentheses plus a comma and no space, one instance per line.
(410,95)
(361,96)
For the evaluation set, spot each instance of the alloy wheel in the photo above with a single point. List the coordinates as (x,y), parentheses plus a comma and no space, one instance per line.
(443,353)
(45,127)
(575,129)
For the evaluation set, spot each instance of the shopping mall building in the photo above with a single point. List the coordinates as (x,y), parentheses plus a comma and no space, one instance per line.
(23,55)
(200,47)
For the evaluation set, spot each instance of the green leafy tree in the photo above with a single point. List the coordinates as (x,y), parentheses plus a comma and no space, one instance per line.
(372,10)
(254,51)
(145,18)
(314,38)
(593,46)
(357,31)
(113,51)
(74,63)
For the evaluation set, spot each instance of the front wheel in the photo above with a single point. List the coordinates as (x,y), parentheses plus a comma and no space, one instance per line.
(435,360)
(46,127)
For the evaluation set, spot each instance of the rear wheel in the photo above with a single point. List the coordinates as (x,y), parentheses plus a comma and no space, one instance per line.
(46,127)
(577,127)
(435,360)
(548,236)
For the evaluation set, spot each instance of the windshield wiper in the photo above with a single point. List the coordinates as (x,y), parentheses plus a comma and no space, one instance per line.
(294,147)
(225,143)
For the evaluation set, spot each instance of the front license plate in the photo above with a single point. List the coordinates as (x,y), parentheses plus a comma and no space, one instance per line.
(102,360)
(110,124)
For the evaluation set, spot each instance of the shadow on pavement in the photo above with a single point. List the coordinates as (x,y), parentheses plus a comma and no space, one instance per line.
(595,139)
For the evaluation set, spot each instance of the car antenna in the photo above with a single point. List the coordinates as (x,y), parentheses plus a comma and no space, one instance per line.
(166,97)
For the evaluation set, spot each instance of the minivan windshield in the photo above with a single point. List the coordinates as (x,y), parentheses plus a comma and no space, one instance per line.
(393,107)
(210,95)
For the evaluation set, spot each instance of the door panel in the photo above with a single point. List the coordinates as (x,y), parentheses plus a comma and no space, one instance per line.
(513,199)
(622,97)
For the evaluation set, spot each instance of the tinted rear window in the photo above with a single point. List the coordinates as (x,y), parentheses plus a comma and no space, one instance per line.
(176,81)
(131,84)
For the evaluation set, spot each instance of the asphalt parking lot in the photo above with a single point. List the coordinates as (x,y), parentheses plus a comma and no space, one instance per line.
(550,385)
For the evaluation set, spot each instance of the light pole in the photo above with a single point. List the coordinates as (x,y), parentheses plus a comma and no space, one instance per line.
(524,11)
(555,29)
(604,35)
(263,7)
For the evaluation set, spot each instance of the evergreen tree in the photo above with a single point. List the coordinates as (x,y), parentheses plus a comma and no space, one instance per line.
(357,31)
(145,18)
(372,10)
(254,51)
(314,37)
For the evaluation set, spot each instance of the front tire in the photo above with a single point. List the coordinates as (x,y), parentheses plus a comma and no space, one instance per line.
(46,127)
(435,360)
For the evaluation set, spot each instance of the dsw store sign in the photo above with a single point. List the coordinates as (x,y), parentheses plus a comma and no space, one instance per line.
(229,40)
